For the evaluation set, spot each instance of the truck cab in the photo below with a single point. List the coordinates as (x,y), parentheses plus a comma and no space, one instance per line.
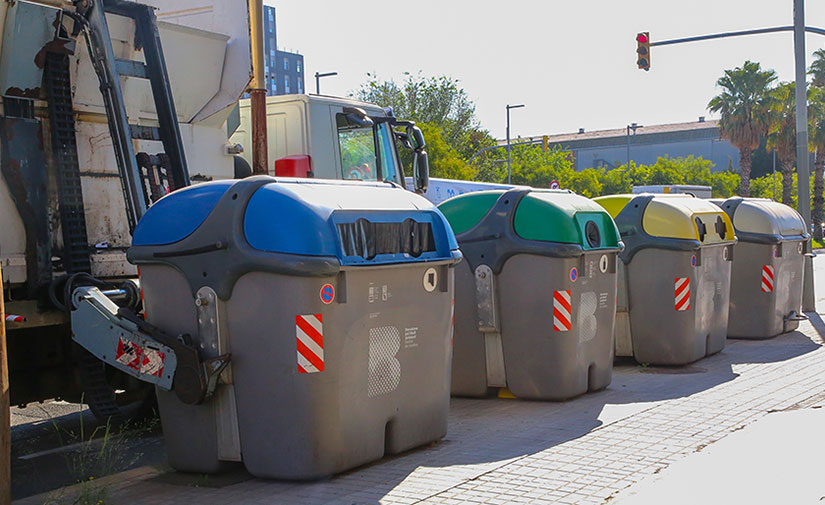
(333,138)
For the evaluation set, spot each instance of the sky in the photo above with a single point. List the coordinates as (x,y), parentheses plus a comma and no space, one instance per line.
(572,64)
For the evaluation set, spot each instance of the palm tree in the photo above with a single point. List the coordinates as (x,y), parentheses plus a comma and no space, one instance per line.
(744,106)
(816,143)
(782,134)
(817,69)
(816,108)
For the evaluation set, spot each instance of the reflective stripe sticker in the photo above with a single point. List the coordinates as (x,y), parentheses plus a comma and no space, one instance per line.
(562,310)
(152,363)
(309,333)
(682,293)
(129,354)
(767,278)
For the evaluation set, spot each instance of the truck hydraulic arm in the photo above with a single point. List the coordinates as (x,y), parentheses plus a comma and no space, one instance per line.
(120,338)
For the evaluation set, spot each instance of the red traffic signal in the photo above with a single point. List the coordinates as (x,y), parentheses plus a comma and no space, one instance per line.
(643,50)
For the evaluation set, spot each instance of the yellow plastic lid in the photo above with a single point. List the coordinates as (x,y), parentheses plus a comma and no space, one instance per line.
(679,216)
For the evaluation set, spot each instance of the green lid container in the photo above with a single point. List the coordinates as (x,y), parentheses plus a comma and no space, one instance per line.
(559,216)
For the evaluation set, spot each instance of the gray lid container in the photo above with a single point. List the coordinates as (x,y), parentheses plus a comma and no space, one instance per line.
(768,264)
(535,296)
(335,301)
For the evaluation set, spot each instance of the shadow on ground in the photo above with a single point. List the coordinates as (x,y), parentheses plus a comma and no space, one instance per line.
(486,434)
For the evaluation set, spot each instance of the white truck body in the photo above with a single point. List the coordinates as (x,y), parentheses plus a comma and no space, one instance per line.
(697,191)
(440,190)
(301,125)
(208,58)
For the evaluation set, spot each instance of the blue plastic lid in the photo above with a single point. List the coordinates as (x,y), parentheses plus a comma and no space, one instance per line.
(175,216)
(357,222)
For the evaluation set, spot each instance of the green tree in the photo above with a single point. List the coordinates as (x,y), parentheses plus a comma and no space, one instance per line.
(530,166)
(438,101)
(816,129)
(744,105)
(445,161)
(782,134)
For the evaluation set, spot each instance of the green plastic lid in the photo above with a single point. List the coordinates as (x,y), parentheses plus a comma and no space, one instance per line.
(544,215)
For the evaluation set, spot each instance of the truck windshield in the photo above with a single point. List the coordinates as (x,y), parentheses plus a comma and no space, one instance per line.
(367,152)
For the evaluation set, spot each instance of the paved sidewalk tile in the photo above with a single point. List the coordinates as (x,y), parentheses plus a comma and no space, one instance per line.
(583,451)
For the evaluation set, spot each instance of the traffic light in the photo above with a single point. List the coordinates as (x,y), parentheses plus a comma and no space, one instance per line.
(643,50)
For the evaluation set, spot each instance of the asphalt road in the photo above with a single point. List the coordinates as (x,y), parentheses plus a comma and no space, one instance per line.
(58,443)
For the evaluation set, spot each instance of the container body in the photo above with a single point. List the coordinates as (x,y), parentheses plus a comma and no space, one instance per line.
(535,308)
(336,305)
(545,359)
(766,289)
(678,312)
(768,266)
(384,387)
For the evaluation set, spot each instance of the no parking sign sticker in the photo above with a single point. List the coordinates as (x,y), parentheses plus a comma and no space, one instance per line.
(327,293)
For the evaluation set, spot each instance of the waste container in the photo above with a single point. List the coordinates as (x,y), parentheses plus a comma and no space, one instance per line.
(674,277)
(536,294)
(768,263)
(335,302)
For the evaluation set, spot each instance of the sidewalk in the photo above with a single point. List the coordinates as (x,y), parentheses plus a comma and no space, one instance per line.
(777,459)
(589,450)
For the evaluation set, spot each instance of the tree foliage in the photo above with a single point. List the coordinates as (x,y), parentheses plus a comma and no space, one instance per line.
(782,133)
(744,105)
(438,101)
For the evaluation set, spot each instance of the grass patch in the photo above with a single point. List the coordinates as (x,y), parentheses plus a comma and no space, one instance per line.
(90,454)
(817,244)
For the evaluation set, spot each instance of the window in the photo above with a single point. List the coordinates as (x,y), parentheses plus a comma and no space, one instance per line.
(286,64)
(357,143)
(300,86)
(298,66)
(272,56)
(286,84)
(271,13)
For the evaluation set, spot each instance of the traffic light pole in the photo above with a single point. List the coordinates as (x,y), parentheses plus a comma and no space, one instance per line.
(802,161)
(802,169)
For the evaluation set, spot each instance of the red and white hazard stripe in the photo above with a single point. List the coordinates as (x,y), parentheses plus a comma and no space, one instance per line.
(682,293)
(767,278)
(11,318)
(309,332)
(562,310)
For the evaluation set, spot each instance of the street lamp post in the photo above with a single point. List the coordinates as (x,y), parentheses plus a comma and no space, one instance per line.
(633,127)
(318,80)
(508,137)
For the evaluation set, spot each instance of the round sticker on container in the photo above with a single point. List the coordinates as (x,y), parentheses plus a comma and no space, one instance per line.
(799,248)
(574,274)
(430,280)
(693,260)
(603,263)
(725,254)
(327,293)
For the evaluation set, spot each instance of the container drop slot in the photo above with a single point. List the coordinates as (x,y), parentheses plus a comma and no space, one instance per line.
(367,239)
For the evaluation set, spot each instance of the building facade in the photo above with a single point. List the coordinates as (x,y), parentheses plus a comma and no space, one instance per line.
(284,71)
(645,144)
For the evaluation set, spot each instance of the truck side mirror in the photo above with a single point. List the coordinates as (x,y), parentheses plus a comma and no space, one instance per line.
(417,138)
(421,170)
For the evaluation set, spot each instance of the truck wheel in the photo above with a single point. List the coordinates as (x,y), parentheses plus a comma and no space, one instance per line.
(112,396)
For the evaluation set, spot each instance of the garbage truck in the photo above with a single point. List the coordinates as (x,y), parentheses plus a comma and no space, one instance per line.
(328,137)
(107,106)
